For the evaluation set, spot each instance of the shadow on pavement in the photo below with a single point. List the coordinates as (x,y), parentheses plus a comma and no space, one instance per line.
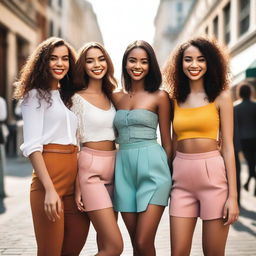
(18,167)
(239,226)
(2,207)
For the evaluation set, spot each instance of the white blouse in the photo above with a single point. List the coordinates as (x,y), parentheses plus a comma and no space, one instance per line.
(45,124)
(94,124)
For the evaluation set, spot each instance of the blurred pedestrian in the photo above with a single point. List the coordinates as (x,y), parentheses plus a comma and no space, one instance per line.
(94,83)
(246,120)
(204,178)
(3,138)
(50,143)
(142,174)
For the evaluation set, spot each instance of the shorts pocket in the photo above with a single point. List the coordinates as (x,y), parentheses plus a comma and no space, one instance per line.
(216,170)
(84,161)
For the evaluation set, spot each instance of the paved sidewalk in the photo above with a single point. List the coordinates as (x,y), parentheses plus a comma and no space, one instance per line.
(16,230)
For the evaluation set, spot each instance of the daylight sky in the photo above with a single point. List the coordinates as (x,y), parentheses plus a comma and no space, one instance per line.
(123,21)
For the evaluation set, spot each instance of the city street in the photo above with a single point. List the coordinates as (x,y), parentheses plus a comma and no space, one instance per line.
(16,230)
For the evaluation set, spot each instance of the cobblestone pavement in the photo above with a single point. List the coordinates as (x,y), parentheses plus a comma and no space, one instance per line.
(16,230)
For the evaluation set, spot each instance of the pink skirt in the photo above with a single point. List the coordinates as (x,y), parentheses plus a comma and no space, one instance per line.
(96,175)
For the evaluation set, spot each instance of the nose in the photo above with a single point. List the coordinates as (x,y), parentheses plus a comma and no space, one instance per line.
(97,63)
(137,65)
(194,63)
(59,62)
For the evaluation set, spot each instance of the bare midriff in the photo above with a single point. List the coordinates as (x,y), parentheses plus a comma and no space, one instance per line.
(105,145)
(197,145)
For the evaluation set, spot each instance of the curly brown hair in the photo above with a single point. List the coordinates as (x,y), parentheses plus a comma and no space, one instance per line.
(216,78)
(35,73)
(81,78)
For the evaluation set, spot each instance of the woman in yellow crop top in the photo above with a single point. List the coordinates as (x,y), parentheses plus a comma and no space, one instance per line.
(204,177)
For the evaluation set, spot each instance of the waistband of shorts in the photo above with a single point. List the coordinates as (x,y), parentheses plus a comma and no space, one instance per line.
(195,156)
(139,144)
(61,149)
(99,152)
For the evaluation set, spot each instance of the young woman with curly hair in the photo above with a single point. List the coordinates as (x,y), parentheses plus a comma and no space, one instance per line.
(45,87)
(204,176)
(142,174)
(93,85)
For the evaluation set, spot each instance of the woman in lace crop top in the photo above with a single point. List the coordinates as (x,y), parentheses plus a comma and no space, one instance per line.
(142,174)
(204,180)
(94,83)
(50,143)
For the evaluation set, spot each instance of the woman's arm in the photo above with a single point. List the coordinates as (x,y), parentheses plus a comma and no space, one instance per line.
(224,101)
(164,114)
(33,117)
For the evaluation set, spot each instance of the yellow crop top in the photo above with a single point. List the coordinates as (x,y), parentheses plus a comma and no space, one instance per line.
(198,122)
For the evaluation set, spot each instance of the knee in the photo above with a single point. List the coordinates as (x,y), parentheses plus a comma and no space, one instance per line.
(143,246)
(115,249)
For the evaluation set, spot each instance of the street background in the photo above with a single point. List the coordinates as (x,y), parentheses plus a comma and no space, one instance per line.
(16,229)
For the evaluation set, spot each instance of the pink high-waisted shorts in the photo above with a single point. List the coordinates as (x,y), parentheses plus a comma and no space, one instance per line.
(96,174)
(199,185)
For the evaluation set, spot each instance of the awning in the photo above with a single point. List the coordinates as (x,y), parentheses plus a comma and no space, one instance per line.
(251,70)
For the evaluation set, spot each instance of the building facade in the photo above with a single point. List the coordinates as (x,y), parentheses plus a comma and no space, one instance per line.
(233,23)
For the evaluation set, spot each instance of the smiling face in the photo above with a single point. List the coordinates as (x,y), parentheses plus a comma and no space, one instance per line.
(95,63)
(59,62)
(137,64)
(194,63)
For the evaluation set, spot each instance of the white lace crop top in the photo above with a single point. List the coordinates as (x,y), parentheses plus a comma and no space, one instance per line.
(94,124)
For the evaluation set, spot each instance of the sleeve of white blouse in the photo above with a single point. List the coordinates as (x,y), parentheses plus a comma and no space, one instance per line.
(33,117)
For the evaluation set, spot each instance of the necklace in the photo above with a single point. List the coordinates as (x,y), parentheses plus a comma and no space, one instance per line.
(131,94)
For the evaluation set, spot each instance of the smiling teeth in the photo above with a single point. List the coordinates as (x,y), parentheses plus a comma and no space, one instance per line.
(137,72)
(194,72)
(97,71)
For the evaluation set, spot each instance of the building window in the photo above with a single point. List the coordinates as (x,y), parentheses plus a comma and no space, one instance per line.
(50,2)
(244,16)
(60,3)
(215,26)
(179,7)
(51,32)
(226,11)
(206,31)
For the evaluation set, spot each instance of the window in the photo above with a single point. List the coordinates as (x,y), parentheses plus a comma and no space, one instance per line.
(51,29)
(215,26)
(179,7)
(226,11)
(244,16)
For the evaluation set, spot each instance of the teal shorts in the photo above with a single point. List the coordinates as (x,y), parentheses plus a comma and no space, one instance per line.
(142,177)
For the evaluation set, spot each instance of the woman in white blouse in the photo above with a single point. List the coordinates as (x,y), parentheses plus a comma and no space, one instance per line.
(50,143)
(94,83)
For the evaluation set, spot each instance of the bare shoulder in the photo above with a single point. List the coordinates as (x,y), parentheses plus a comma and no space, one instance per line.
(117,95)
(162,95)
(224,97)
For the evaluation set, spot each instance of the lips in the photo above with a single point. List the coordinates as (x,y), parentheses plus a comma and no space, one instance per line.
(97,72)
(194,72)
(58,71)
(136,73)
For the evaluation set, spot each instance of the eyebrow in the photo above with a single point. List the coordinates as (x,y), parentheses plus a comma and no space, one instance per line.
(136,58)
(52,55)
(188,56)
(91,58)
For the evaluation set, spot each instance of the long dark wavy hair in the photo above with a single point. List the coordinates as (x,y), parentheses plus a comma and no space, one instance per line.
(153,79)
(81,78)
(35,73)
(216,78)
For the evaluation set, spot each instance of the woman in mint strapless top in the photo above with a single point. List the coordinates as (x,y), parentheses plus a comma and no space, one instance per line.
(142,175)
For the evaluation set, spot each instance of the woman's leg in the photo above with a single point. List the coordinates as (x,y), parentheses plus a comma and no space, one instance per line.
(214,237)
(76,228)
(146,228)
(49,235)
(181,232)
(104,222)
(130,221)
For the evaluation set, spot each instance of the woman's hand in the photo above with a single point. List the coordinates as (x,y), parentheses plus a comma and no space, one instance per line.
(78,197)
(231,211)
(52,205)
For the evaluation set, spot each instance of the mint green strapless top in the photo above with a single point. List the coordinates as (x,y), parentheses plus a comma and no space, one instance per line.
(135,125)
